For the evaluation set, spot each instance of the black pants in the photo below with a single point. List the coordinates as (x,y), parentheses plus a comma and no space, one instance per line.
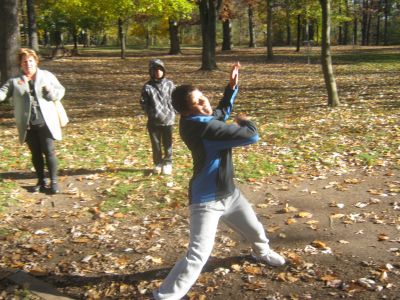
(161,138)
(41,144)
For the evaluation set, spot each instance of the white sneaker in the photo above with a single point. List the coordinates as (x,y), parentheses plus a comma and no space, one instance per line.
(272,258)
(157,169)
(167,169)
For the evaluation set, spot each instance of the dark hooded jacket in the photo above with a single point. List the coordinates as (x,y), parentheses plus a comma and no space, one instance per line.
(156,97)
(210,141)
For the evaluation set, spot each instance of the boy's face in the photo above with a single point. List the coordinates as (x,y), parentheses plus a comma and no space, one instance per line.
(199,104)
(158,73)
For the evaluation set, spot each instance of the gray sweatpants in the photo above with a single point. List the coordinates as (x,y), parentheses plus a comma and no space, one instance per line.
(236,212)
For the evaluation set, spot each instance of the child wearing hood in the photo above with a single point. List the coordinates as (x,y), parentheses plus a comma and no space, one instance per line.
(156,103)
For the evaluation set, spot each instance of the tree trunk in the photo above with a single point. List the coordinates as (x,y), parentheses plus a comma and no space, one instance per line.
(23,24)
(75,39)
(364,27)
(307,32)
(340,34)
(121,36)
(59,50)
(9,37)
(369,18)
(208,18)
(270,54)
(288,27)
(148,38)
(378,27)
(252,38)
(385,24)
(58,40)
(46,39)
(175,47)
(86,38)
(346,25)
(104,40)
(32,27)
(227,35)
(298,42)
(326,58)
(355,30)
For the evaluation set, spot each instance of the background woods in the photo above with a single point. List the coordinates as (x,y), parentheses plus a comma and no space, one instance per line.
(143,23)
(207,23)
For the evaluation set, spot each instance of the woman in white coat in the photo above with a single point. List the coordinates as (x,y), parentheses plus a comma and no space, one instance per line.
(33,94)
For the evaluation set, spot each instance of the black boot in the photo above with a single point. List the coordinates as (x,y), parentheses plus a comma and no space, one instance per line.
(54,188)
(40,186)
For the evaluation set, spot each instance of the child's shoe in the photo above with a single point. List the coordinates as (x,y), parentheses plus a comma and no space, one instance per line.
(272,258)
(167,169)
(157,169)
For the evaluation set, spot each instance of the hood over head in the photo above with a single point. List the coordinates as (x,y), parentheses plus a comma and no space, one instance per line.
(156,64)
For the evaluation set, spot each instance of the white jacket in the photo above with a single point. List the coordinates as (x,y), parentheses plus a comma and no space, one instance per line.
(17,90)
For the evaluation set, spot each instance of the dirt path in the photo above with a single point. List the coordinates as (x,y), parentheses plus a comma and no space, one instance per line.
(340,234)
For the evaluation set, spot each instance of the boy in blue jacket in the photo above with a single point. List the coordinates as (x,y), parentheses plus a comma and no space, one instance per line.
(212,192)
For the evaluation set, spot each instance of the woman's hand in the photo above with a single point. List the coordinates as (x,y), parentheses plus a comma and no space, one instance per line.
(45,91)
(47,94)
(234,76)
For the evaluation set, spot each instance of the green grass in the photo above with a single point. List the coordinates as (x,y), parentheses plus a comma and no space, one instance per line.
(368,159)
(298,131)
(253,166)
(367,58)
(135,191)
(4,232)
(8,196)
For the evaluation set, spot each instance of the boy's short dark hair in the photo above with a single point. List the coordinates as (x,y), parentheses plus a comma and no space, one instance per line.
(181,96)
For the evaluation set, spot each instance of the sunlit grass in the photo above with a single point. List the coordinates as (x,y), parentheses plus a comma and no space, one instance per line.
(287,100)
(8,194)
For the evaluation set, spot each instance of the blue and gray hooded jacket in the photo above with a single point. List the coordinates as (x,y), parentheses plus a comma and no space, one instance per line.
(210,141)
(156,97)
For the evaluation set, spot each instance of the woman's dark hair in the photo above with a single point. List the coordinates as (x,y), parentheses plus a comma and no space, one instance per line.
(181,97)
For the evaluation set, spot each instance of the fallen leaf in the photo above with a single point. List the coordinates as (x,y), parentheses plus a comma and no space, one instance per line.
(343,242)
(319,244)
(304,214)
(383,237)
(272,229)
(290,221)
(252,270)
(328,277)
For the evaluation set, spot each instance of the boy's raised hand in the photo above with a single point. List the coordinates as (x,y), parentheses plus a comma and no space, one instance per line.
(234,77)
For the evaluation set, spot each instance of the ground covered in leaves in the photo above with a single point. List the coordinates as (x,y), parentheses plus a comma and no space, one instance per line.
(325,182)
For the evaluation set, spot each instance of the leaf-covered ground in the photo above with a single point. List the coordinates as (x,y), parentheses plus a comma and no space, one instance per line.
(325,182)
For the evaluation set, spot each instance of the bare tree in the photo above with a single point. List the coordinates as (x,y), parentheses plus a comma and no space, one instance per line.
(330,82)
(225,16)
(270,53)
(9,37)
(252,36)
(227,35)
(121,36)
(175,47)
(298,38)
(32,27)
(288,26)
(385,26)
(208,18)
